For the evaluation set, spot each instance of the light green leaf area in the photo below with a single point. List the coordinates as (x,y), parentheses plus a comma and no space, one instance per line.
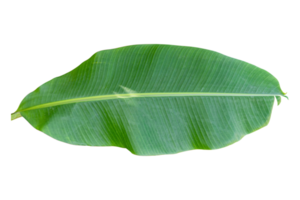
(154,99)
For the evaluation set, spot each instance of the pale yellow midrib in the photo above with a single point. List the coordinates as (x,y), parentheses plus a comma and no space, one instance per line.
(135,95)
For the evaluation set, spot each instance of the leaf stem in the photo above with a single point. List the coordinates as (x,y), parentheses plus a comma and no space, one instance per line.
(15,115)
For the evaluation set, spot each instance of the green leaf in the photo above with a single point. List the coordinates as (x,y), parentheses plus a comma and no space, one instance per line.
(154,99)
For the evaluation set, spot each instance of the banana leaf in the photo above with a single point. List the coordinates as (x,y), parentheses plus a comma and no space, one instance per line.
(154,99)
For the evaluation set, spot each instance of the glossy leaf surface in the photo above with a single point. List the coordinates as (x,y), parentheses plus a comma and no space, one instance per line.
(154,99)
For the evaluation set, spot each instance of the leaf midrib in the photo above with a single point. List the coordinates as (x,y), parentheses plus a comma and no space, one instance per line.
(134,95)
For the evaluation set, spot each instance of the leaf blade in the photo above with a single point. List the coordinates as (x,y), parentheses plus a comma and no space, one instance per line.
(118,87)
